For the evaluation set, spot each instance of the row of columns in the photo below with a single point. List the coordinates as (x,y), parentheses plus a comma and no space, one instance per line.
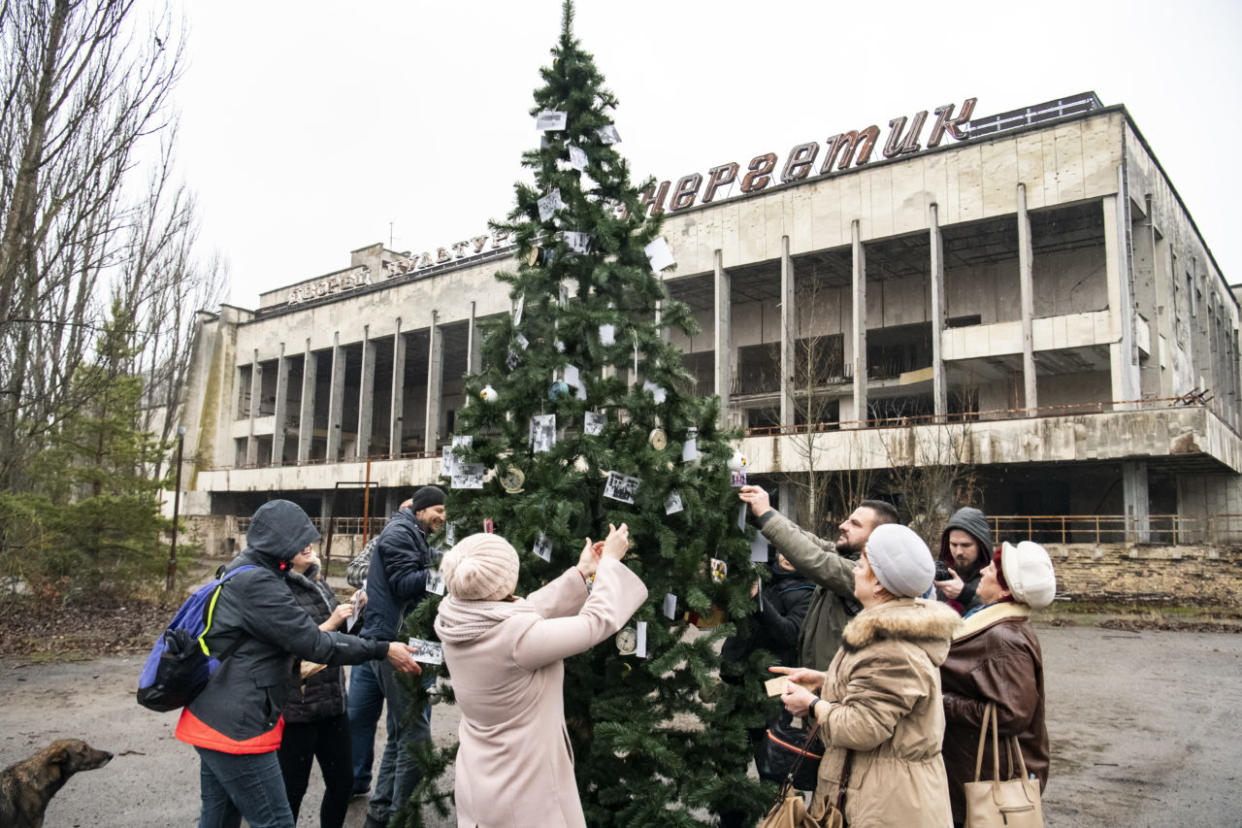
(366,393)
(1123,354)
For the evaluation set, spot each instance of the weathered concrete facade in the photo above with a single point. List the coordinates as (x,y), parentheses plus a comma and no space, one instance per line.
(1039,294)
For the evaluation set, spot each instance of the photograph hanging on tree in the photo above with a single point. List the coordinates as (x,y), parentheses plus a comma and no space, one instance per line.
(621,487)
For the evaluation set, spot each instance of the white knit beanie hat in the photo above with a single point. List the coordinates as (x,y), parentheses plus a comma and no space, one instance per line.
(482,567)
(900,560)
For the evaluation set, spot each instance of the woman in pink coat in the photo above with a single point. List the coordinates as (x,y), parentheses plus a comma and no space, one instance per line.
(515,765)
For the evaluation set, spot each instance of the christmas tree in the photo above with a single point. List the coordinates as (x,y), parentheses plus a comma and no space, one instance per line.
(583,415)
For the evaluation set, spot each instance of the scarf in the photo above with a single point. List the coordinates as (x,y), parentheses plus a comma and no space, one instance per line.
(460,622)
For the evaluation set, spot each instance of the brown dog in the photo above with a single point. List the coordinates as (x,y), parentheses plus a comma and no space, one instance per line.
(26,787)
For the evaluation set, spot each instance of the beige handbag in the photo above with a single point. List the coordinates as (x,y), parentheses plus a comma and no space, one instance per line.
(1009,803)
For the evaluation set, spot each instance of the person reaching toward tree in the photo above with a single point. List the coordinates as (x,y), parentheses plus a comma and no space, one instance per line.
(515,765)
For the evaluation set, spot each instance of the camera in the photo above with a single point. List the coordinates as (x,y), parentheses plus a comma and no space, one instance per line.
(942,571)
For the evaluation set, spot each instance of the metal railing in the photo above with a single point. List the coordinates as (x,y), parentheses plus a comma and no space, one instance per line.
(324,461)
(951,418)
(1047,111)
(1158,530)
(344,525)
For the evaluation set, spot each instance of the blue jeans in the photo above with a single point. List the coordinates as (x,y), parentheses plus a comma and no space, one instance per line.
(237,785)
(398,772)
(366,702)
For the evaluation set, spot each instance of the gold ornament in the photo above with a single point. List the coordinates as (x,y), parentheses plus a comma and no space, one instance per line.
(658,439)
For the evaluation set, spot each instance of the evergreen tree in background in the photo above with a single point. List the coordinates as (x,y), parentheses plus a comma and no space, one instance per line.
(93,524)
(658,740)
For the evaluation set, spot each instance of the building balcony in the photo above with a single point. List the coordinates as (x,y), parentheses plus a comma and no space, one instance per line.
(1190,435)
(1151,429)
(399,472)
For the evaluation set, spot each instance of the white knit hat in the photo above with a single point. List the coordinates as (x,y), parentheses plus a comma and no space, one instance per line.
(482,567)
(900,560)
(1028,573)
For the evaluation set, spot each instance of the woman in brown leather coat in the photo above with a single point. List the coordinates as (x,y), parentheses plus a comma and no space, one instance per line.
(995,657)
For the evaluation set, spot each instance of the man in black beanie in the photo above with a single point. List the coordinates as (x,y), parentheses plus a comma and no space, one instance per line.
(396,582)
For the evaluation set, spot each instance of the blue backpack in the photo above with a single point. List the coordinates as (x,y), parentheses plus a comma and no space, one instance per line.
(180,664)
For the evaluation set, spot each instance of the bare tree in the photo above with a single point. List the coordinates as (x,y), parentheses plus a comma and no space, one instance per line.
(930,472)
(81,83)
(164,282)
(824,494)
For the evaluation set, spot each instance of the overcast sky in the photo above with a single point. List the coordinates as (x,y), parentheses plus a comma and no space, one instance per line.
(310,129)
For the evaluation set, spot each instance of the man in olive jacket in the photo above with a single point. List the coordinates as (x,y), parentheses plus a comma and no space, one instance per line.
(259,631)
(830,565)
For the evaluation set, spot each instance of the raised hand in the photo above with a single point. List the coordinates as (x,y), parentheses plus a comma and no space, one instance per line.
(618,542)
(588,561)
(758,499)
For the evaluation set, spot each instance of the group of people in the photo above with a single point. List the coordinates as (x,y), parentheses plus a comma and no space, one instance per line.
(899,658)
(259,725)
(892,660)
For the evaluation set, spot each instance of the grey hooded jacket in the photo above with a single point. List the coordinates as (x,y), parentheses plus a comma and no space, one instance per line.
(247,693)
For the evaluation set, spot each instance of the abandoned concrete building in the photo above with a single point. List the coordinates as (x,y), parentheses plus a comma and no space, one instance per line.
(1031,299)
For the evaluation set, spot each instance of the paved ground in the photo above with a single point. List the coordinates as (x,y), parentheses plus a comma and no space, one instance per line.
(1143,726)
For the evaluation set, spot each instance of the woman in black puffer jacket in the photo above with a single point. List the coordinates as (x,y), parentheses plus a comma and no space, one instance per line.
(316,722)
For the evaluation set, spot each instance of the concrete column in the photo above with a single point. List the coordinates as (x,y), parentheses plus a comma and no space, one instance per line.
(1123,366)
(256,390)
(306,414)
(435,377)
(789,334)
(859,275)
(1235,369)
(787,494)
(397,409)
(940,391)
(474,353)
(722,337)
(336,399)
(1137,502)
(1026,291)
(1146,298)
(325,513)
(393,500)
(282,406)
(366,395)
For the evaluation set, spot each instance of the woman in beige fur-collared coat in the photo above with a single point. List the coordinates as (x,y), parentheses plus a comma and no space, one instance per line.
(880,697)
(515,765)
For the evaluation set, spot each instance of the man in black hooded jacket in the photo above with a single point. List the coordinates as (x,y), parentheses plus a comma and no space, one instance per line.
(396,582)
(235,723)
(965,549)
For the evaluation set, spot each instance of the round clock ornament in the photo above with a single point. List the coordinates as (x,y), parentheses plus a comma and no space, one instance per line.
(627,641)
(512,480)
(658,439)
